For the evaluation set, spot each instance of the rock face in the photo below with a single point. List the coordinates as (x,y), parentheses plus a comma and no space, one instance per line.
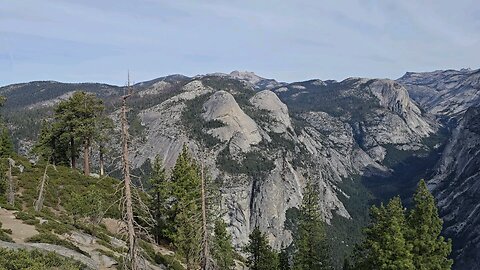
(379,112)
(238,126)
(254,80)
(227,119)
(456,186)
(269,102)
(445,92)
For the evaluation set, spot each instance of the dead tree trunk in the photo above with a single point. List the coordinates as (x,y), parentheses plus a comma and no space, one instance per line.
(41,196)
(72,153)
(132,255)
(39,202)
(11,184)
(102,162)
(205,248)
(86,157)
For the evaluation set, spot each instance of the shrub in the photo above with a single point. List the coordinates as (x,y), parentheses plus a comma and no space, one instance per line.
(49,238)
(22,259)
(54,226)
(27,218)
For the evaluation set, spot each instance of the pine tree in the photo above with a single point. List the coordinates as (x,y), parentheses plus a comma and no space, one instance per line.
(87,109)
(283,260)
(158,202)
(103,135)
(260,254)
(75,123)
(430,250)
(385,246)
(347,265)
(51,146)
(311,248)
(186,210)
(222,251)
(64,129)
(6,145)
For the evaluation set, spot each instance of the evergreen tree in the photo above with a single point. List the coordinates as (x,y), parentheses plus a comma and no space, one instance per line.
(64,129)
(311,248)
(260,254)
(104,130)
(75,123)
(51,146)
(347,265)
(87,109)
(283,260)
(6,145)
(222,247)
(430,250)
(158,198)
(385,246)
(186,209)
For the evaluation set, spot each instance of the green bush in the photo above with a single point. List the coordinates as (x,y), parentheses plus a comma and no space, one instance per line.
(169,261)
(35,260)
(27,218)
(49,238)
(5,237)
(54,226)
(24,215)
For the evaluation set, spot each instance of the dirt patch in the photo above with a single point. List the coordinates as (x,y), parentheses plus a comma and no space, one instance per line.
(20,231)
(114,226)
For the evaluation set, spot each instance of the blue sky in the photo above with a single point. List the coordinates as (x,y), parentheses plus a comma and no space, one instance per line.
(98,41)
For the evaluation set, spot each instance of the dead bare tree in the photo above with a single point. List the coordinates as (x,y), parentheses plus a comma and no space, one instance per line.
(132,253)
(11,184)
(43,183)
(11,180)
(205,248)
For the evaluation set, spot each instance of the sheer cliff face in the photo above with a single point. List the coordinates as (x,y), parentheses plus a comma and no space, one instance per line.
(447,93)
(262,145)
(456,186)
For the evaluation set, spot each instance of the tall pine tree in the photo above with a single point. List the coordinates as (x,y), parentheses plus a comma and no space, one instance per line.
(87,109)
(260,255)
(6,145)
(311,248)
(283,260)
(158,198)
(222,249)
(52,146)
(385,246)
(75,124)
(430,250)
(186,209)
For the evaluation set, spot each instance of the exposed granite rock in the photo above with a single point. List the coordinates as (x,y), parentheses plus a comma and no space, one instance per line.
(268,101)
(444,92)
(239,128)
(456,186)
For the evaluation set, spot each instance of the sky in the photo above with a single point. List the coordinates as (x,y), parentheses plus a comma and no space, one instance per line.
(100,40)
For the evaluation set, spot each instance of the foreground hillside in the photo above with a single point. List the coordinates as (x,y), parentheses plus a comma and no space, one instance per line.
(79,220)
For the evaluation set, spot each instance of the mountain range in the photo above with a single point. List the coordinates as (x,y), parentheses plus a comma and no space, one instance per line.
(361,140)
